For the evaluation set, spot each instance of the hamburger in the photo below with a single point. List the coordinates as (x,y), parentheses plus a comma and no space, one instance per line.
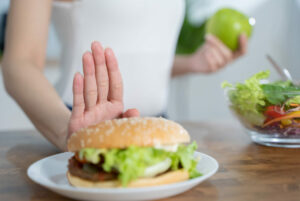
(131,152)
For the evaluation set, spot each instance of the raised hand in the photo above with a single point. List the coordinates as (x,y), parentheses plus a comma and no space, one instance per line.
(98,95)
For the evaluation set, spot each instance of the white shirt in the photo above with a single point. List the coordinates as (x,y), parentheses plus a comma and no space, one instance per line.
(143,35)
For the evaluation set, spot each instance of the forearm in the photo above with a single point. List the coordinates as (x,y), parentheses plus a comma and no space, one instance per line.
(181,65)
(39,100)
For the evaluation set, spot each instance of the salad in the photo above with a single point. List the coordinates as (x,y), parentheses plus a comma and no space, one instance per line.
(264,106)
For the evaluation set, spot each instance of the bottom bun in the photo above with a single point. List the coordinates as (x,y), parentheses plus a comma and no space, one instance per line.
(167,178)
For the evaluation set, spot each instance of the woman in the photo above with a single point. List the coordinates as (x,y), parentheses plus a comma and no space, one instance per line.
(143,35)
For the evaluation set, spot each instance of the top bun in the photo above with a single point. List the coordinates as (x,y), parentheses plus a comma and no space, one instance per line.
(122,133)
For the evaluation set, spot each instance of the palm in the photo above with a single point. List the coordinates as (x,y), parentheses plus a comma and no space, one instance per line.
(98,96)
(99,113)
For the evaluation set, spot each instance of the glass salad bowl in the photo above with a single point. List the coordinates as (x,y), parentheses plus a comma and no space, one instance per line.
(269,111)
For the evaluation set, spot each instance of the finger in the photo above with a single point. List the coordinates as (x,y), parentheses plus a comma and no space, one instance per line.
(211,62)
(215,55)
(90,85)
(78,100)
(115,79)
(222,48)
(131,113)
(101,71)
(243,45)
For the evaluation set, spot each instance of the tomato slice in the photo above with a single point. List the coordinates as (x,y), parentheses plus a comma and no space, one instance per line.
(274,111)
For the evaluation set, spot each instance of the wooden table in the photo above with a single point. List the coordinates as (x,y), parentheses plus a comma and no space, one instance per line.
(247,171)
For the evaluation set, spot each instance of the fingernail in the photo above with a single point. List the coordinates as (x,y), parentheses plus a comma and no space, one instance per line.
(97,43)
(108,50)
(85,55)
(208,36)
(243,34)
(78,74)
(86,52)
(94,45)
(77,77)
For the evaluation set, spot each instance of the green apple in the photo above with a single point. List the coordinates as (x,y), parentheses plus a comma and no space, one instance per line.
(228,24)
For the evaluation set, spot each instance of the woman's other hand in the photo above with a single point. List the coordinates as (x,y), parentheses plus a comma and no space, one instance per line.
(214,55)
(98,94)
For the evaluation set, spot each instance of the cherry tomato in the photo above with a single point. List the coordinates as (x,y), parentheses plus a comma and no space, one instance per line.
(274,111)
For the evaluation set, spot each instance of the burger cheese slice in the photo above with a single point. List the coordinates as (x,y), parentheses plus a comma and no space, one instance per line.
(131,152)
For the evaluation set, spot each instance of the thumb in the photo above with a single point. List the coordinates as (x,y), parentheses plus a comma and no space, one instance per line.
(131,113)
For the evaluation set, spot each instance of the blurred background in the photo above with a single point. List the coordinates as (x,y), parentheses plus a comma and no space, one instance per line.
(197,97)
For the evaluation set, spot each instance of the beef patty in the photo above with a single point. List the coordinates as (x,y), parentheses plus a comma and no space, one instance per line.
(90,171)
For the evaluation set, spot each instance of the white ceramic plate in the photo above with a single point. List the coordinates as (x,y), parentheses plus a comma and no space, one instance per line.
(50,172)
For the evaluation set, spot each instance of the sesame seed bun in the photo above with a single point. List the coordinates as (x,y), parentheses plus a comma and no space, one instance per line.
(125,132)
(167,178)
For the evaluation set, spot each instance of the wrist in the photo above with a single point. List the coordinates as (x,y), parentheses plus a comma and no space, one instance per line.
(190,64)
(182,65)
(64,132)
(64,140)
